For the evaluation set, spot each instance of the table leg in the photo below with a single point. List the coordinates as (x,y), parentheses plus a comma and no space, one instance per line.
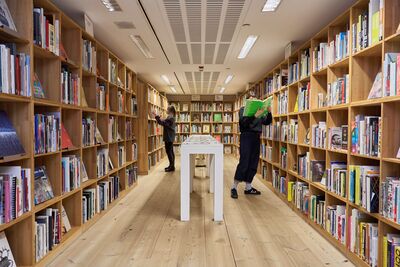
(211,170)
(219,184)
(185,186)
(192,170)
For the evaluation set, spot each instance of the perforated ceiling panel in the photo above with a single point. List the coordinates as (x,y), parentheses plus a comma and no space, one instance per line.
(203,32)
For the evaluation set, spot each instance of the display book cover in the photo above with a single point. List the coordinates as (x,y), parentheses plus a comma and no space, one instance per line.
(10,144)
(253,105)
(7,258)
(43,189)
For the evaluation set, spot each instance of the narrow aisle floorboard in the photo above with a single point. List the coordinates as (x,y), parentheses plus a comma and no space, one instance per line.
(144,230)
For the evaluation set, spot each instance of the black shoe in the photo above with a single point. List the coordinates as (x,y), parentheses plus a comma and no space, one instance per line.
(234,193)
(170,169)
(252,191)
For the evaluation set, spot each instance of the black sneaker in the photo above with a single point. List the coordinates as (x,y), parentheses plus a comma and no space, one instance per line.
(234,193)
(252,191)
(170,169)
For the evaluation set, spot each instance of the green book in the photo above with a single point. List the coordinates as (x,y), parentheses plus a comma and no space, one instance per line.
(253,105)
(217,117)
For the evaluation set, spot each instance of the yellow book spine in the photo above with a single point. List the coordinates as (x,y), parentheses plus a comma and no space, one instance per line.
(358,189)
(385,250)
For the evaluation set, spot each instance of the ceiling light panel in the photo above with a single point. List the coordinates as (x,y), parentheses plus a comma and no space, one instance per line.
(111,5)
(141,45)
(271,5)
(250,41)
(228,79)
(165,78)
(222,90)
(173,89)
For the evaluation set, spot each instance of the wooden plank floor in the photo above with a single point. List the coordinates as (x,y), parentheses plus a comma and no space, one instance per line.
(144,230)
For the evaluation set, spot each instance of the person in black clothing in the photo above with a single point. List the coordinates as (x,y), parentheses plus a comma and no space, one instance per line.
(169,136)
(250,131)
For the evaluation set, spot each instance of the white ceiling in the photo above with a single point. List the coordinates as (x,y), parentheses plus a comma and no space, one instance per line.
(190,33)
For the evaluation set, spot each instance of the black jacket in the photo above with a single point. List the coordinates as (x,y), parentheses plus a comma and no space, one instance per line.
(169,128)
(253,124)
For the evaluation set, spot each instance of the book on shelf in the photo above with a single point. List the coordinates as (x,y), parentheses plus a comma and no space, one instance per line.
(338,137)
(253,105)
(63,53)
(46,30)
(318,136)
(363,235)
(102,162)
(37,87)
(363,189)
(339,91)
(89,56)
(70,87)
(317,169)
(15,189)
(88,131)
(43,188)
(71,172)
(6,253)
(185,107)
(206,129)
(103,195)
(15,71)
(366,135)
(101,96)
(6,19)
(84,175)
(66,142)
(66,225)
(391,74)
(336,222)
(10,144)
(112,71)
(377,87)
(336,176)
(305,63)
(131,174)
(47,132)
(303,98)
(391,249)
(83,98)
(398,154)
(89,204)
(389,202)
(317,209)
(217,117)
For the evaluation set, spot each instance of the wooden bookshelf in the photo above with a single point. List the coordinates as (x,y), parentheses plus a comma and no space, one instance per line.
(197,117)
(48,66)
(361,67)
(152,151)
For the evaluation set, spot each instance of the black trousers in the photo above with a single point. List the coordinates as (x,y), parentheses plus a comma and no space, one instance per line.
(169,149)
(249,156)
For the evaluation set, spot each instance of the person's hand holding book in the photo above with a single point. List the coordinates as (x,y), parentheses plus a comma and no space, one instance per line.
(259,113)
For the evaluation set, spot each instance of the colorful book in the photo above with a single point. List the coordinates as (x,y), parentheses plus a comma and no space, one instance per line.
(43,189)
(5,17)
(38,88)
(7,257)
(10,144)
(66,142)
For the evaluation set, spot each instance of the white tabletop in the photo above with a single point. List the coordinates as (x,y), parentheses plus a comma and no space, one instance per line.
(201,140)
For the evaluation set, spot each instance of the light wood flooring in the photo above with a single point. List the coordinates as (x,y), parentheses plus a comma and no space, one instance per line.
(144,230)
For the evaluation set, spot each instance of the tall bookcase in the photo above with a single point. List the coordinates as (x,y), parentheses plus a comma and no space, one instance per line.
(151,138)
(119,104)
(204,115)
(302,114)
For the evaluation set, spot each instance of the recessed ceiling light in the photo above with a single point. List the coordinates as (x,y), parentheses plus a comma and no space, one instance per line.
(111,5)
(172,87)
(228,78)
(221,90)
(165,78)
(271,5)
(251,39)
(141,45)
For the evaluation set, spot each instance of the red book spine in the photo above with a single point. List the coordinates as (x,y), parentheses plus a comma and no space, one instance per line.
(47,35)
(7,204)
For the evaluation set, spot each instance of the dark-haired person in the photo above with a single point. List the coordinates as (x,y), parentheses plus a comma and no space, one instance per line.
(169,136)
(250,131)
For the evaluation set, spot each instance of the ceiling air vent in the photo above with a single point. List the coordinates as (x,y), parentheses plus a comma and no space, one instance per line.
(124,25)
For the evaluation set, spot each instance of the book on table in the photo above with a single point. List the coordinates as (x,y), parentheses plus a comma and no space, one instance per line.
(253,105)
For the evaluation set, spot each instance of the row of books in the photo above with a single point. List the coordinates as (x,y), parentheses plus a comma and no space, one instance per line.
(101,97)
(102,162)
(390,198)
(227,139)
(283,157)
(338,91)
(366,135)
(88,131)
(363,237)
(318,134)
(368,27)
(279,182)
(303,98)
(47,132)
(70,87)
(283,103)
(196,106)
(113,129)
(391,74)
(293,131)
(338,137)
(180,138)
(364,186)
(155,142)
(89,56)
(132,174)
(183,117)
(15,70)
(71,167)
(294,72)
(46,30)
(15,192)
(335,222)
(336,177)
(154,128)
(121,155)
(47,232)
(305,63)
(112,71)
(121,102)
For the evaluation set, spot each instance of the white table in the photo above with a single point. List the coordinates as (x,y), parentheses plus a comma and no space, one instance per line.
(202,144)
